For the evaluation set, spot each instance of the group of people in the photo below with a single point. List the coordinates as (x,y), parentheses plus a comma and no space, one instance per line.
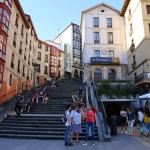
(76,114)
(128,120)
(21,105)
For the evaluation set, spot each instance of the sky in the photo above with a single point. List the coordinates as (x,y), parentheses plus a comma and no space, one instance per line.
(51,17)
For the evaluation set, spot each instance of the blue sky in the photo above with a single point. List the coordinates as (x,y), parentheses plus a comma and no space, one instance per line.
(52,17)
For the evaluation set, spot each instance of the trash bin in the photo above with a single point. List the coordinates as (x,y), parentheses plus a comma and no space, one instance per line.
(113,125)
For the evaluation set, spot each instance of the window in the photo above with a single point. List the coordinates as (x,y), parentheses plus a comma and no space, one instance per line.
(131,30)
(46,48)
(76,52)
(59,54)
(22,30)
(14,39)
(12,61)
(110,38)
(39,56)
(109,22)
(23,71)
(25,52)
(20,49)
(149,27)
(148,9)
(3,43)
(46,58)
(38,68)
(18,69)
(111,54)
(4,18)
(29,60)
(40,45)
(96,22)
(96,53)
(16,22)
(10,80)
(27,38)
(59,64)
(45,69)
(96,37)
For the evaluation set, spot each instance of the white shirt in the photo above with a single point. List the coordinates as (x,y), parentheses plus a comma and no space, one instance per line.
(123,113)
(140,116)
(67,116)
(76,117)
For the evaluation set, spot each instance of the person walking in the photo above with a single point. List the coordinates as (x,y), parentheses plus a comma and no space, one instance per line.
(123,120)
(131,120)
(141,121)
(76,123)
(19,104)
(68,126)
(90,122)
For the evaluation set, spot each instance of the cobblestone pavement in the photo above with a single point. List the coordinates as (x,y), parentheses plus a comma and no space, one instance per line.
(118,142)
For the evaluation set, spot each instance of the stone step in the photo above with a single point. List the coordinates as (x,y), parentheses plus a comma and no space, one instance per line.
(49,137)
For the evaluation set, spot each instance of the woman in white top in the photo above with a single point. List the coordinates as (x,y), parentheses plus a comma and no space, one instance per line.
(123,120)
(76,121)
(141,121)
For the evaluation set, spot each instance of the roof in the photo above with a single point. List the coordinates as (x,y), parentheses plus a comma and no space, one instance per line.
(101,4)
(124,7)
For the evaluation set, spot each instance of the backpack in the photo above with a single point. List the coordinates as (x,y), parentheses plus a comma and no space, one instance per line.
(64,119)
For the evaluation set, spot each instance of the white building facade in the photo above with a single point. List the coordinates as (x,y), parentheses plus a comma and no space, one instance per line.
(137,29)
(103,44)
(71,37)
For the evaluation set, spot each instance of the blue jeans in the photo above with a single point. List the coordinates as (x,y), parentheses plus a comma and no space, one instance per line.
(67,135)
(88,125)
(147,125)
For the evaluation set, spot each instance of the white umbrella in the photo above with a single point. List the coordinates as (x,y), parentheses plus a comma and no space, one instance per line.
(145,96)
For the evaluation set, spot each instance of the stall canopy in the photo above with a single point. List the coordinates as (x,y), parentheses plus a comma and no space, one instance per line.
(145,96)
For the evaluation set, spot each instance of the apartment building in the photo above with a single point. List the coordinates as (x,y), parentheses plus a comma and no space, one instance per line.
(137,29)
(25,60)
(71,36)
(103,44)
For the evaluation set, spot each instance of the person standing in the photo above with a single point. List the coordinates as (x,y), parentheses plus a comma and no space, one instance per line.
(141,121)
(147,121)
(123,120)
(68,126)
(19,104)
(90,122)
(130,118)
(76,123)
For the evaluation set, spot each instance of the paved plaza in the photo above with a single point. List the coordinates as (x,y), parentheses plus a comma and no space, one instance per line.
(119,142)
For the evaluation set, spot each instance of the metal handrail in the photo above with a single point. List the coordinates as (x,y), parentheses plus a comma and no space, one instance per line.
(100,105)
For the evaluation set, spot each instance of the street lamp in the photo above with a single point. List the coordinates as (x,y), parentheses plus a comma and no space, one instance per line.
(35,65)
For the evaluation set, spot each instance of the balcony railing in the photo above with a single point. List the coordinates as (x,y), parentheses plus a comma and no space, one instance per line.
(143,78)
(129,17)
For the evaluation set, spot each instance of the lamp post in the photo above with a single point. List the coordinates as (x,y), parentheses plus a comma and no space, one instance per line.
(35,65)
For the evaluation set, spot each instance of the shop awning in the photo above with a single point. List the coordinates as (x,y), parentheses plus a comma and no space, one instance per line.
(145,96)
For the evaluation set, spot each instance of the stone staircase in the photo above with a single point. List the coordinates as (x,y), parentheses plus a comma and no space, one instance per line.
(44,120)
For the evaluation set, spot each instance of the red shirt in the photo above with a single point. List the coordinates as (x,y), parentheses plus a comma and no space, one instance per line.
(90,114)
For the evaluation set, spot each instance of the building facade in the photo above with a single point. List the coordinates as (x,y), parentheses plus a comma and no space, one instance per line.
(21,50)
(103,44)
(138,42)
(71,36)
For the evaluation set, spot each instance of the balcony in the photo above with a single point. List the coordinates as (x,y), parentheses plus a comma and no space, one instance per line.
(104,61)
(39,58)
(129,17)
(14,44)
(143,78)
(133,64)
(25,57)
(132,47)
